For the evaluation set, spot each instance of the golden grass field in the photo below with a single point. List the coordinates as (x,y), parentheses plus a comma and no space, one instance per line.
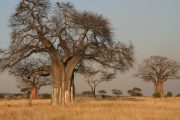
(143,108)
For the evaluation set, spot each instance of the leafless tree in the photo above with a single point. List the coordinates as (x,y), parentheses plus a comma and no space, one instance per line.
(158,69)
(67,37)
(91,77)
(30,78)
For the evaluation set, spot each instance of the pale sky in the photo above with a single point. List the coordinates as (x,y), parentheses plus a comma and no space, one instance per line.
(152,25)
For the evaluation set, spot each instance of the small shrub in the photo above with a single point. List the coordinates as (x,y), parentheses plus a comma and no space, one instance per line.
(169,94)
(106,96)
(45,96)
(135,92)
(178,95)
(1,96)
(156,95)
(117,92)
(102,92)
(87,93)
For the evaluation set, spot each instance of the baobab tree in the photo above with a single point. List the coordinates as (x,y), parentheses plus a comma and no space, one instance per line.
(30,78)
(158,69)
(66,36)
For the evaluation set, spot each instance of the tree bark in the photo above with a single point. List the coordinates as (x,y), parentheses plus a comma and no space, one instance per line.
(159,88)
(72,91)
(57,83)
(34,92)
(69,81)
(62,88)
(70,88)
(63,83)
(94,92)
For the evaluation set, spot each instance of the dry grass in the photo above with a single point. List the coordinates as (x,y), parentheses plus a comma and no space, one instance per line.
(89,109)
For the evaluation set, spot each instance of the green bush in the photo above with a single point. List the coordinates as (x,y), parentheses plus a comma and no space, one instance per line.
(156,95)
(169,94)
(117,92)
(45,96)
(135,92)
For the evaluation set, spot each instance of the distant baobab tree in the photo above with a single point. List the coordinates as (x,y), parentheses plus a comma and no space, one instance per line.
(158,69)
(30,78)
(67,37)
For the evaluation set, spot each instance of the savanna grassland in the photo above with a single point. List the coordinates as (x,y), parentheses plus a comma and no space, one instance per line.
(143,108)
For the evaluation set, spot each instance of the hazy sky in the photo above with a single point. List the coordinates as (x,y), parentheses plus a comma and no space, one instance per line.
(152,25)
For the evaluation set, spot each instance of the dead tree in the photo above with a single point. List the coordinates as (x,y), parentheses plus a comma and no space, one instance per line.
(158,69)
(66,36)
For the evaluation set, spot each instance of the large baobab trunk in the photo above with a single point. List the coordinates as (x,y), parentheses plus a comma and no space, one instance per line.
(57,83)
(62,89)
(63,83)
(69,90)
(159,88)
(34,92)
(69,81)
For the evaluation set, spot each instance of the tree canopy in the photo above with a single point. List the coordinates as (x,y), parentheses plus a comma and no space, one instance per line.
(96,77)
(135,92)
(117,92)
(65,37)
(158,69)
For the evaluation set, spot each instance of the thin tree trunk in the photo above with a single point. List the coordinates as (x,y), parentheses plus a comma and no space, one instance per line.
(94,92)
